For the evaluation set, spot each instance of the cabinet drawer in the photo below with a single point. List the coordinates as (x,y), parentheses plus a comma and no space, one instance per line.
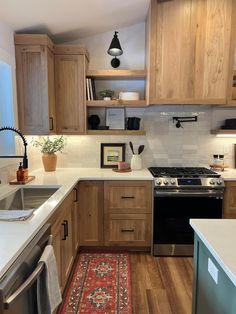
(128,229)
(128,196)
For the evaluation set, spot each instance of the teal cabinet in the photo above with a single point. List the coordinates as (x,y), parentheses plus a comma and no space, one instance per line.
(213,291)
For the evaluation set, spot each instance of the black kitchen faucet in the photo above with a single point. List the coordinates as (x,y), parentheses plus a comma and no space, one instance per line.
(25,159)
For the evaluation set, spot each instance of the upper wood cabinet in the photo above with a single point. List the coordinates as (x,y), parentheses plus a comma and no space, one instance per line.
(70,69)
(189,51)
(35,84)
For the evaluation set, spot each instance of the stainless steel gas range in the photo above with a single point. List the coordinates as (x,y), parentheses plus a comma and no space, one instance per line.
(179,195)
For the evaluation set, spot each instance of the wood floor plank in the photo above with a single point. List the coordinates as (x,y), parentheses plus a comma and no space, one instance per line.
(161,284)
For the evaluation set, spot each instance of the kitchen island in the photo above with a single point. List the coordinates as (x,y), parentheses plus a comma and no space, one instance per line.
(15,236)
(214,289)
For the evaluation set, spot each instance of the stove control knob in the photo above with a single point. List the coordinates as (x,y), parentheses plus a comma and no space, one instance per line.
(166,182)
(219,181)
(158,182)
(212,182)
(172,181)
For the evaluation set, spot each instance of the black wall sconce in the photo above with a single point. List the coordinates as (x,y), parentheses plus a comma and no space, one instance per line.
(180,120)
(115,50)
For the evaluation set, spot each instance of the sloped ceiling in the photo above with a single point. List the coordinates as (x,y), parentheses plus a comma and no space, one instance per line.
(67,20)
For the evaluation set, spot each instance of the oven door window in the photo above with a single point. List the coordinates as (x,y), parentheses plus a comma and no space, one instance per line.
(172,214)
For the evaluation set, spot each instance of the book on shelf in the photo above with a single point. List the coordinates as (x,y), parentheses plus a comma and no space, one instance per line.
(90,89)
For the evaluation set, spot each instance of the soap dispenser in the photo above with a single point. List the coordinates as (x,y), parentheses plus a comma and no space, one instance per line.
(20,173)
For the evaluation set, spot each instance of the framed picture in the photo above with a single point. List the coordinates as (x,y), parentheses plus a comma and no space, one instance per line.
(111,153)
(115,118)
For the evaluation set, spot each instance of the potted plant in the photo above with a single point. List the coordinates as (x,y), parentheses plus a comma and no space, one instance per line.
(106,94)
(49,146)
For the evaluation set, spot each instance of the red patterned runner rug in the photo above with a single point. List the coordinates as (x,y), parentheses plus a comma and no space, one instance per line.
(100,285)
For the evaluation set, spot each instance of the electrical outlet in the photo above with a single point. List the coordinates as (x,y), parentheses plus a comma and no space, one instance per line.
(213,270)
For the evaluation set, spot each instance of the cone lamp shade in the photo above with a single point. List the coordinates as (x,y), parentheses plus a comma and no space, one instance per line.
(115,50)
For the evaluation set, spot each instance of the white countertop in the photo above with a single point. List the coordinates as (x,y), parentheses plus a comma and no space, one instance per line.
(219,237)
(229,174)
(14,236)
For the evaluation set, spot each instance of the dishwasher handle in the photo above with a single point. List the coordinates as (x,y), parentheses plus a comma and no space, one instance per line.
(28,282)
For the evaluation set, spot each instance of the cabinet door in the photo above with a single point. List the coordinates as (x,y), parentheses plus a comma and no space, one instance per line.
(127,229)
(91,213)
(70,93)
(32,76)
(128,196)
(189,51)
(75,216)
(56,233)
(67,246)
(230,200)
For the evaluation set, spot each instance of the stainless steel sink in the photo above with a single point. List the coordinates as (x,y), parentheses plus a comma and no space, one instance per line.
(27,198)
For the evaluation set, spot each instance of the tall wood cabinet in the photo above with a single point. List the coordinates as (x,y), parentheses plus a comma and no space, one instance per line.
(229,211)
(35,84)
(70,68)
(189,55)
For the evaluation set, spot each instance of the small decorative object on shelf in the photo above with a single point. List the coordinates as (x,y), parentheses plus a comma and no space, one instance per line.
(115,118)
(111,154)
(136,160)
(49,146)
(106,94)
(94,121)
(133,123)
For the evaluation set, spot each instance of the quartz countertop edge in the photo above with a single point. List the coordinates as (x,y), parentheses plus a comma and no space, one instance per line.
(219,237)
(15,236)
(229,174)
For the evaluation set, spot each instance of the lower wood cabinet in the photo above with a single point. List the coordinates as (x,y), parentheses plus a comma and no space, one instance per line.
(127,229)
(115,213)
(229,210)
(90,200)
(63,232)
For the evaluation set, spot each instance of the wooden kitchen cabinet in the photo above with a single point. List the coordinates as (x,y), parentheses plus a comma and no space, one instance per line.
(127,210)
(62,228)
(189,55)
(230,200)
(70,93)
(90,198)
(35,84)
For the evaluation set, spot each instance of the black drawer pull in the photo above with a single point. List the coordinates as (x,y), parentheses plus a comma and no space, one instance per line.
(51,128)
(127,230)
(66,222)
(76,195)
(64,230)
(127,197)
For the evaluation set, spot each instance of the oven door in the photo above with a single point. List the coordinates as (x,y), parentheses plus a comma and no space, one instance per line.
(172,233)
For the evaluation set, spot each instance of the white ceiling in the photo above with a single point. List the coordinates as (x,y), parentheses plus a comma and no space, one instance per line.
(67,20)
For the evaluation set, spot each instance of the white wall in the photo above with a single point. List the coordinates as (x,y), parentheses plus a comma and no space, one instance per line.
(7,55)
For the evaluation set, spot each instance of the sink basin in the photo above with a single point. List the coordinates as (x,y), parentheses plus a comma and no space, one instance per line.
(27,198)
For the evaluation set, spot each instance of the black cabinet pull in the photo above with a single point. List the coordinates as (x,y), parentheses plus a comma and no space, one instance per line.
(64,230)
(127,230)
(51,128)
(127,197)
(76,195)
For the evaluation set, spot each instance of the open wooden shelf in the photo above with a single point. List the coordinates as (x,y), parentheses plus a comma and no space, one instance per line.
(116,132)
(223,131)
(116,103)
(117,74)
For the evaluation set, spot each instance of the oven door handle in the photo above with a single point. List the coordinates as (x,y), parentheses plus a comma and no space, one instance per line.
(188,193)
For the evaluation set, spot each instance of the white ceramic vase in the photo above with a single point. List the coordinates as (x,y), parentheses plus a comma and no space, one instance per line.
(136,162)
(106,98)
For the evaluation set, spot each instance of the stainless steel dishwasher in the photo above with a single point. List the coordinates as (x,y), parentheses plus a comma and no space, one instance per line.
(18,294)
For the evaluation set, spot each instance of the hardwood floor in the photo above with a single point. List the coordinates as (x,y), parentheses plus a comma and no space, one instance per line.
(161,284)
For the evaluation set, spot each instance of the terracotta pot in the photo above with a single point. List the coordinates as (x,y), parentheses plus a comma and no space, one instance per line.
(49,162)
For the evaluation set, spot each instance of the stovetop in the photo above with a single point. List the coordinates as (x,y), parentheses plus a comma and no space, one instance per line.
(183,172)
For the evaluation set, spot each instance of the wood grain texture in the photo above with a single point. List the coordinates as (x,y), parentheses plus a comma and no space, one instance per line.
(34,39)
(116,103)
(117,74)
(127,197)
(229,211)
(189,51)
(70,96)
(33,89)
(91,213)
(128,230)
(161,285)
(71,50)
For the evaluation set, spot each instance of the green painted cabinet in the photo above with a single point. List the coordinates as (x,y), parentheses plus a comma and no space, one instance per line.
(213,291)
